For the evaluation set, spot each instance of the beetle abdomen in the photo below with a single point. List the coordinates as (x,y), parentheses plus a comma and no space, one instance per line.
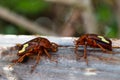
(105,45)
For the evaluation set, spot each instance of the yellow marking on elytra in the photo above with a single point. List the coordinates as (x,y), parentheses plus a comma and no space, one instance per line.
(23,49)
(103,39)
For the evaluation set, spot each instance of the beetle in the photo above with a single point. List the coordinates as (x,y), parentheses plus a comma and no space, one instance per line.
(95,41)
(37,46)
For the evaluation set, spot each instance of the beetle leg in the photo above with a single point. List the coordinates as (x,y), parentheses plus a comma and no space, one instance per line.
(22,57)
(19,60)
(105,49)
(49,56)
(85,53)
(76,53)
(37,61)
(76,48)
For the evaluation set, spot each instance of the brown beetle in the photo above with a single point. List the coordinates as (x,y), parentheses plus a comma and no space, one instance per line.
(95,41)
(38,46)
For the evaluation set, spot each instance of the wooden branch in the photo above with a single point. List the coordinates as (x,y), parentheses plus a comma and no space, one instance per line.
(23,22)
(67,2)
(69,26)
(102,66)
(90,24)
(117,11)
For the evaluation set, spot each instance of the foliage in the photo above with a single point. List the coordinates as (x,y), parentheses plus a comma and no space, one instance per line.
(106,17)
(30,8)
(25,7)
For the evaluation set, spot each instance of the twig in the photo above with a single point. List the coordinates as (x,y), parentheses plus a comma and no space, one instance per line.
(69,27)
(67,2)
(90,24)
(23,22)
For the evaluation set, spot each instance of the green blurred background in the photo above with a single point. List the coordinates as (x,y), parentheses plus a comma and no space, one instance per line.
(48,14)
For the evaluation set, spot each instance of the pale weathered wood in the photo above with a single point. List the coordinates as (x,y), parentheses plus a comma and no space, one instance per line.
(101,66)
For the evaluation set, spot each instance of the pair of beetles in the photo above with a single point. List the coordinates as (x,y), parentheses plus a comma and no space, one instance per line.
(40,46)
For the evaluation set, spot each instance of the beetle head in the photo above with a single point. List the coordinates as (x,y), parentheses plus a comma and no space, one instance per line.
(80,41)
(54,47)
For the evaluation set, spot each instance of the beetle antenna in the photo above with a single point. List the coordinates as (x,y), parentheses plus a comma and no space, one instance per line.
(11,65)
(74,41)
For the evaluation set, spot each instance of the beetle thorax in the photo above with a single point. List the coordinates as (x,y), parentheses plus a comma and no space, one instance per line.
(81,41)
